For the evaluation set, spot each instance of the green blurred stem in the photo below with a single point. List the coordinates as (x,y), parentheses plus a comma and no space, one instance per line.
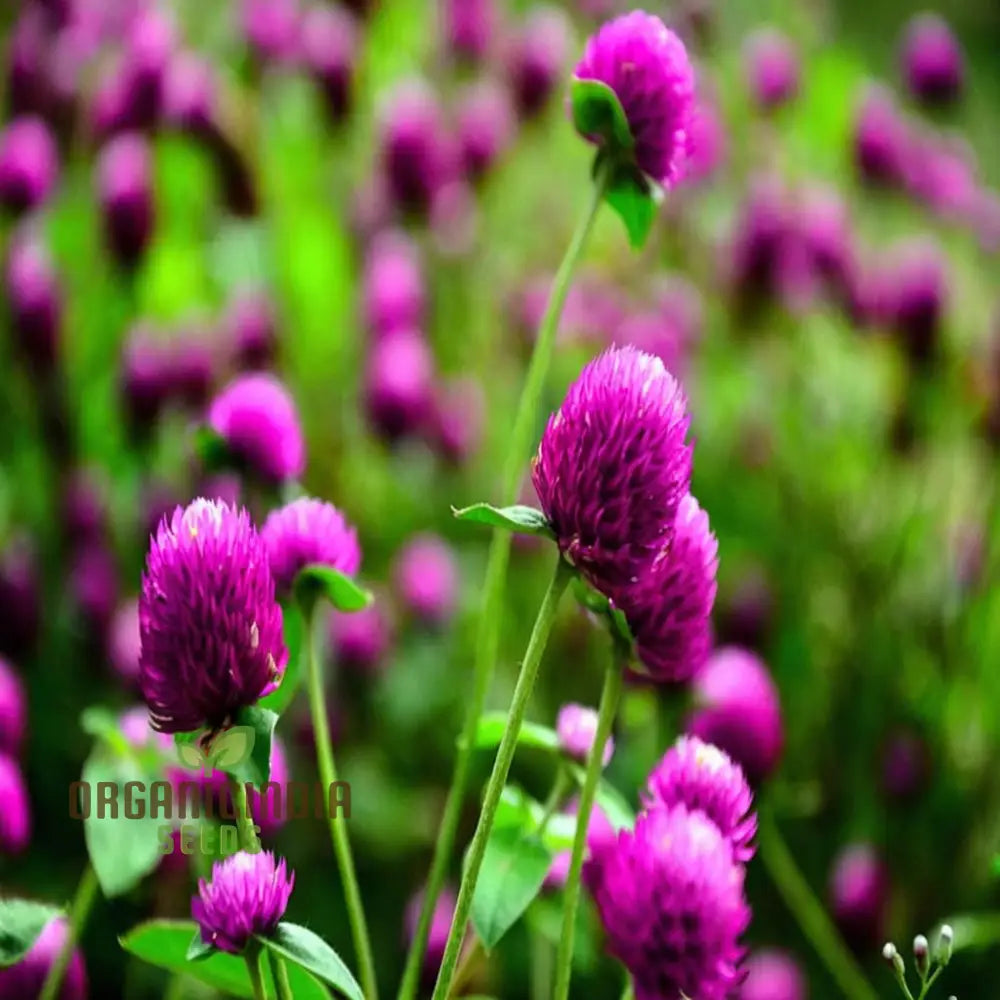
(501,767)
(244,820)
(279,973)
(629,992)
(488,633)
(86,893)
(809,912)
(338,823)
(610,696)
(252,958)
(555,800)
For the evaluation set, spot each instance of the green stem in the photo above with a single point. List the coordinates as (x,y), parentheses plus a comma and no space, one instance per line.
(252,958)
(338,822)
(244,820)
(929,982)
(629,992)
(279,973)
(610,696)
(809,913)
(501,766)
(488,633)
(86,893)
(555,800)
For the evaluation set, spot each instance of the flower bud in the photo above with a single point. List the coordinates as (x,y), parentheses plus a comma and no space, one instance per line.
(946,939)
(921,955)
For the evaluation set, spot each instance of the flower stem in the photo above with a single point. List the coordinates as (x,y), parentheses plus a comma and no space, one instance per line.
(252,958)
(244,821)
(338,823)
(501,766)
(555,800)
(610,696)
(809,913)
(86,892)
(279,973)
(488,633)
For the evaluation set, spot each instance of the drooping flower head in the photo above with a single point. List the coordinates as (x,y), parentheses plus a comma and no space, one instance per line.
(247,896)
(26,977)
(256,416)
(670,897)
(308,531)
(15,808)
(576,727)
(859,896)
(210,625)
(933,65)
(29,163)
(13,709)
(772,68)
(773,975)
(613,467)
(647,67)
(426,577)
(702,777)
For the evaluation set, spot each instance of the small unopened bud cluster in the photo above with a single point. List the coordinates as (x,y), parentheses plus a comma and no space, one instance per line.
(929,964)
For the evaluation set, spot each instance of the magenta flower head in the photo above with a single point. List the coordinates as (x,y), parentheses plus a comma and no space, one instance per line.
(392,285)
(536,55)
(35,302)
(247,896)
(125,642)
(271,28)
(670,897)
(20,598)
(13,710)
(486,126)
(189,97)
(576,728)
(772,68)
(702,777)
(149,46)
(125,191)
(399,384)
(145,376)
(27,977)
(29,163)
(252,334)
(773,975)
(740,710)
(933,65)
(93,583)
(427,579)
(708,143)
(468,26)
(905,765)
(920,298)
(306,532)
(15,810)
(457,419)
(881,138)
(613,467)
(210,625)
(859,896)
(360,640)
(256,416)
(647,67)
(329,45)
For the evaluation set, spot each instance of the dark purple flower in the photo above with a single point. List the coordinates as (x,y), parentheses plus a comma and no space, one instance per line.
(457,418)
(307,532)
(26,977)
(881,138)
(252,331)
(247,897)
(393,285)
(35,302)
(29,163)
(740,711)
(748,611)
(93,582)
(426,578)
(468,26)
(15,809)
(859,896)
(192,367)
(257,418)
(20,598)
(210,625)
(702,777)
(360,640)
(933,66)
(148,48)
(271,28)
(772,68)
(599,829)
(773,975)
(26,64)
(919,298)
(125,190)
(189,94)
(125,642)
(486,126)
(613,467)
(576,728)
(399,384)
(905,765)
(670,897)
(84,507)
(944,175)
(536,55)
(146,374)
(758,242)
(13,710)
(647,67)
(330,46)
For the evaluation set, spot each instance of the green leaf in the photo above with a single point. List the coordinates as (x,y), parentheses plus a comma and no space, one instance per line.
(338,588)
(212,450)
(520,519)
(102,724)
(630,194)
(492,726)
(281,697)
(514,867)
(21,921)
(598,114)
(256,768)
(197,949)
(166,943)
(304,948)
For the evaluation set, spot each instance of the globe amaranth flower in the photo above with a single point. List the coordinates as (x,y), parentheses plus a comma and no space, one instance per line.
(919,298)
(209,621)
(576,728)
(329,48)
(125,642)
(669,608)
(881,138)
(93,584)
(933,65)
(189,98)
(26,977)
(35,301)
(536,54)
(252,331)
(271,28)
(125,192)
(702,777)
(468,26)
(247,896)
(426,578)
(613,467)
(29,163)
(20,597)
(486,126)
(13,709)
(399,384)
(392,285)
(905,765)
(257,418)
(773,975)
(772,68)
(15,809)
(361,639)
(308,531)
(647,67)
(456,422)
(670,897)
(859,896)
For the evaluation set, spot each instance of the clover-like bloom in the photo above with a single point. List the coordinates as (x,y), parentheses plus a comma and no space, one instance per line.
(772,67)
(486,126)
(15,809)
(426,577)
(330,48)
(256,416)
(599,828)
(247,896)
(437,940)
(209,622)
(773,975)
(252,331)
(308,531)
(700,776)
(670,897)
(26,977)
(361,639)
(613,467)
(393,290)
(399,384)
(35,302)
(932,59)
(29,163)
(536,54)
(881,138)
(13,709)
(576,728)
(647,67)
(859,896)
(125,191)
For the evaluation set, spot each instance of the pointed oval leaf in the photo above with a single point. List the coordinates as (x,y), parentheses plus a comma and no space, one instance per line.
(519,518)
(304,948)
(21,921)
(598,114)
(336,587)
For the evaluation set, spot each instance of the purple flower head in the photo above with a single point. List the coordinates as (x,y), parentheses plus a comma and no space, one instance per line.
(576,727)
(772,68)
(920,298)
(271,28)
(457,419)
(426,578)
(192,366)
(247,896)
(454,219)
(29,163)
(881,138)
(740,711)
(149,47)
(360,640)
(189,94)
(35,302)
(468,26)
(26,977)
(647,67)
(125,190)
(748,612)
(13,710)
(393,285)
(773,975)
(146,373)
(399,384)
(306,532)
(759,241)
(329,50)
(256,416)
(20,598)
(536,55)
(210,626)
(670,897)
(444,910)
(93,582)
(905,765)
(613,467)
(125,642)
(84,507)
(599,830)
(933,65)
(26,69)
(859,896)
(252,331)
(486,126)
(15,810)
(702,777)
(943,174)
